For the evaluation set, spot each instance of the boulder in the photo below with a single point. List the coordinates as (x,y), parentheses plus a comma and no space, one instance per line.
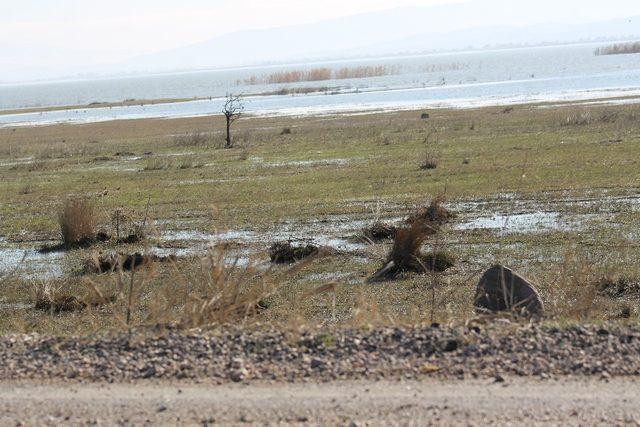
(501,289)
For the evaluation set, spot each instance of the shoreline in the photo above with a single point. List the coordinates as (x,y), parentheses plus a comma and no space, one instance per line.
(592,97)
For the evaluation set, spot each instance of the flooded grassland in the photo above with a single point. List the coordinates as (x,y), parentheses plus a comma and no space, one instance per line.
(552,192)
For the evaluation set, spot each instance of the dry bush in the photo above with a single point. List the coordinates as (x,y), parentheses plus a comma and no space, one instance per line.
(578,290)
(578,118)
(158,163)
(429,161)
(432,215)
(190,163)
(77,222)
(218,292)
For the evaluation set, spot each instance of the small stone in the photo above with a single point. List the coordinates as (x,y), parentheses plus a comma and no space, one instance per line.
(316,363)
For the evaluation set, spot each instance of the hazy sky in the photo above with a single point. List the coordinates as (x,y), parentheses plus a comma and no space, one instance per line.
(135,26)
(34,34)
(144,25)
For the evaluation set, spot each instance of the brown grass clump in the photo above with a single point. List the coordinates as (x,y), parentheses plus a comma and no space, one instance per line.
(51,300)
(430,161)
(578,118)
(432,215)
(406,255)
(192,139)
(219,292)
(77,223)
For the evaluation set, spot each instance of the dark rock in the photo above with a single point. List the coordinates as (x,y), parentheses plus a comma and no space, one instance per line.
(424,116)
(501,289)
(450,345)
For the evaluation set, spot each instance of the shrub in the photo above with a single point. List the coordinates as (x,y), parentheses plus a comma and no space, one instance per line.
(77,222)
(193,139)
(158,163)
(430,161)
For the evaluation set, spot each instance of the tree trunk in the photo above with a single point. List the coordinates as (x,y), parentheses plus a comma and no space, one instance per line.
(228,140)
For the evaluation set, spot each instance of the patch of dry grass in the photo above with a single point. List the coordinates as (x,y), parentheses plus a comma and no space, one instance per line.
(77,222)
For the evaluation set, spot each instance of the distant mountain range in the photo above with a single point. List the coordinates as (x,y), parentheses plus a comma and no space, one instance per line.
(382,33)
(453,26)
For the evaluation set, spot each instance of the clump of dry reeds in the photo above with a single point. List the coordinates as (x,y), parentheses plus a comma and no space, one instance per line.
(49,299)
(432,215)
(77,223)
(619,49)
(192,139)
(429,161)
(220,291)
(406,254)
(578,118)
(321,74)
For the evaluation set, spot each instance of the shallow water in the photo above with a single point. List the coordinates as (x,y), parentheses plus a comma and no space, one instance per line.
(458,80)
(29,263)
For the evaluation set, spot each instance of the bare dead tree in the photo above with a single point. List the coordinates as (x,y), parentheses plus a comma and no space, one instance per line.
(232,110)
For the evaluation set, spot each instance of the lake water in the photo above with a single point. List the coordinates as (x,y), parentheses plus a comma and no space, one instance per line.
(458,80)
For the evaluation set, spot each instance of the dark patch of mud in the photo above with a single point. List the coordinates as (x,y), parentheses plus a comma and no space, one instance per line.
(288,253)
(109,263)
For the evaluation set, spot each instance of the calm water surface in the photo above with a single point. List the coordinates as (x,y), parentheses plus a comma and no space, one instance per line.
(463,79)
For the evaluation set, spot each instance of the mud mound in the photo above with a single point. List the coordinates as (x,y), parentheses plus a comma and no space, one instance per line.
(286,253)
(379,232)
(108,263)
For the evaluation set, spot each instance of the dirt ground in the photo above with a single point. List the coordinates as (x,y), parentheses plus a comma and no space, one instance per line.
(516,402)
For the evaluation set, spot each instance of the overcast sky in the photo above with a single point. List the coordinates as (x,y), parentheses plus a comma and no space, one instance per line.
(112,30)
(136,26)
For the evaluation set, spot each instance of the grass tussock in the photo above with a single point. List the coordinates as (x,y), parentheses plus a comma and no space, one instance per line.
(77,222)
(432,216)
(578,118)
(158,164)
(429,161)
(406,255)
(51,300)
(192,139)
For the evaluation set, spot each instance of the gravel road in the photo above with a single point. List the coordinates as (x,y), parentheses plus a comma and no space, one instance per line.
(518,401)
(234,355)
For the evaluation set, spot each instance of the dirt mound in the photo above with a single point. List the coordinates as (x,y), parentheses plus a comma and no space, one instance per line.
(108,263)
(620,287)
(286,253)
(59,304)
(379,232)
(84,243)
